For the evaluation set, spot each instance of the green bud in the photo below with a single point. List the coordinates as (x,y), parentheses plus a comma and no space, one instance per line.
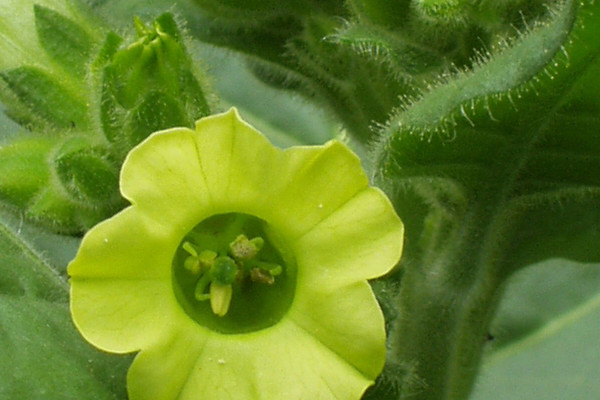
(70,181)
(148,85)
(87,173)
(28,182)
(111,45)
(157,110)
(52,207)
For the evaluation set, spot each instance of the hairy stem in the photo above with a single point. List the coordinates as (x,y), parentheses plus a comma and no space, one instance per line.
(446,304)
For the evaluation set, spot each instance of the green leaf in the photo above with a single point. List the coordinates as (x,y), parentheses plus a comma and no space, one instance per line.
(466,144)
(64,40)
(545,336)
(20,44)
(492,170)
(390,13)
(92,112)
(24,169)
(401,56)
(43,357)
(37,95)
(358,58)
(39,83)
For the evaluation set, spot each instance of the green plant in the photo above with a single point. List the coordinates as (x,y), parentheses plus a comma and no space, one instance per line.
(478,119)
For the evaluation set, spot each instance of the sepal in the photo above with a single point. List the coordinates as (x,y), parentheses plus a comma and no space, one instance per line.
(87,172)
(63,39)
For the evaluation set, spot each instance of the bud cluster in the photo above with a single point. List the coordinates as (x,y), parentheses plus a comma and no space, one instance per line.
(86,108)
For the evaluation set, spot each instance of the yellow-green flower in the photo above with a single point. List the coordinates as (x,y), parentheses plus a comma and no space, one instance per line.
(240,270)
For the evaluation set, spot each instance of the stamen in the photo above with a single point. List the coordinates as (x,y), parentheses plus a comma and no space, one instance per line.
(217,266)
(244,249)
(199,292)
(220,298)
(187,246)
(196,263)
(192,264)
(207,258)
(261,276)
(272,268)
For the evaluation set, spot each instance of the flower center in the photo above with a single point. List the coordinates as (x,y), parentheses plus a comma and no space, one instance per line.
(232,273)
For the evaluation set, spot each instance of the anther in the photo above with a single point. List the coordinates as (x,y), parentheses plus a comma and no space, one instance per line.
(244,249)
(261,276)
(207,258)
(220,298)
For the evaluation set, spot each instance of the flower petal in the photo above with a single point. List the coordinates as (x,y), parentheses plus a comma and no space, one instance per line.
(128,245)
(280,363)
(234,168)
(246,173)
(163,178)
(331,342)
(321,180)
(163,370)
(122,315)
(241,168)
(121,282)
(360,240)
(347,321)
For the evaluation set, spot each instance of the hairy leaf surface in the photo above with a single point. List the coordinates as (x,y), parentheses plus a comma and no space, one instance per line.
(43,357)
(492,170)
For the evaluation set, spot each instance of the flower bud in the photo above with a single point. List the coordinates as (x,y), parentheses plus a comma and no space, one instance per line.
(149,85)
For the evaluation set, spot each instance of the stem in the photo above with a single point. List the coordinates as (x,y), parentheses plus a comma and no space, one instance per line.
(446,304)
